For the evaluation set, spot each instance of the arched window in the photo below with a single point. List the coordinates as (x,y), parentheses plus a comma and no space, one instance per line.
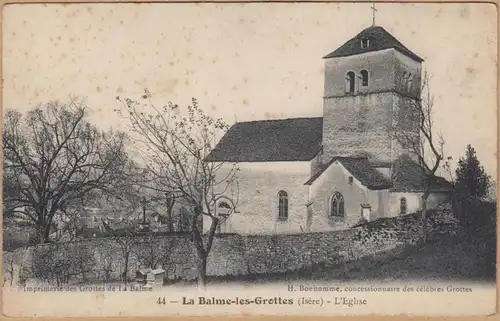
(337,206)
(409,81)
(224,205)
(402,206)
(364,78)
(223,212)
(282,205)
(350,82)
(365,43)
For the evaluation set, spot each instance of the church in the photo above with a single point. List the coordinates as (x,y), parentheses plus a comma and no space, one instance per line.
(332,172)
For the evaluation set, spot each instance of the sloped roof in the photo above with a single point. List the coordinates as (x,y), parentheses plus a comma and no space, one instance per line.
(408,176)
(361,169)
(379,39)
(294,139)
(157,271)
(144,271)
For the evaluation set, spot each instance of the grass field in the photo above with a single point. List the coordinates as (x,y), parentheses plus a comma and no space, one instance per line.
(445,259)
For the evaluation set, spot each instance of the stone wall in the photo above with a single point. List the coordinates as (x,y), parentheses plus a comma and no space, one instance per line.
(231,255)
(104,258)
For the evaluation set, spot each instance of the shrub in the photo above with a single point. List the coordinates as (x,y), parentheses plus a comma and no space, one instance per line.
(60,262)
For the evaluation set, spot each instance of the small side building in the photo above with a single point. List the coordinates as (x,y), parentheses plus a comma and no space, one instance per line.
(141,275)
(155,277)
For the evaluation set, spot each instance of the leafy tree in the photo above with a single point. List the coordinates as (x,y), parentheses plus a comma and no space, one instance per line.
(472,187)
(472,182)
(55,160)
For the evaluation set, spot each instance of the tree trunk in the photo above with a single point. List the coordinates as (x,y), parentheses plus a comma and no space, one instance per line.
(425,196)
(202,273)
(125,272)
(170,224)
(170,207)
(42,239)
(43,234)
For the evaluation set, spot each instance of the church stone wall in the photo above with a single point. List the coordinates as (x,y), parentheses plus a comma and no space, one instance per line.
(355,125)
(362,122)
(256,195)
(379,64)
(405,119)
(336,179)
(407,73)
(414,202)
(379,201)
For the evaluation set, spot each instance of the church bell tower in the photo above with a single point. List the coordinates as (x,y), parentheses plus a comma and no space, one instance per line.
(368,83)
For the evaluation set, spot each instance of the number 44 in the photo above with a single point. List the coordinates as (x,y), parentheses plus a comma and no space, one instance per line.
(161,300)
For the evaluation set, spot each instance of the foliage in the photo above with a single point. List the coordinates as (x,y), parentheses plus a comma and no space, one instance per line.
(55,161)
(400,229)
(472,187)
(375,238)
(60,262)
(472,182)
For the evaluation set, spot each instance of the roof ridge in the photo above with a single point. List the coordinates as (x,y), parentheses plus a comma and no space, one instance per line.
(276,120)
(351,157)
(393,38)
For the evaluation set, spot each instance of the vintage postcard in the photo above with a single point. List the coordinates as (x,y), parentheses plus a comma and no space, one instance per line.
(314,159)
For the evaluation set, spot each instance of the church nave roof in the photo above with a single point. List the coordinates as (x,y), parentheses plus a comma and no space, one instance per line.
(293,139)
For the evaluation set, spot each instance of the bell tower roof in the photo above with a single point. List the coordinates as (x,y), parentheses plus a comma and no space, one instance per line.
(374,38)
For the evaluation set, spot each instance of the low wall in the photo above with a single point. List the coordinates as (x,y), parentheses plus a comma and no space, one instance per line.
(104,259)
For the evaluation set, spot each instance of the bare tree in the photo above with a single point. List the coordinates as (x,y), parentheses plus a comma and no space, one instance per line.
(55,159)
(161,204)
(126,210)
(127,241)
(415,132)
(153,251)
(175,144)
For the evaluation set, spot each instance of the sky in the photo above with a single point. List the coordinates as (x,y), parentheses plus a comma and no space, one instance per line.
(246,61)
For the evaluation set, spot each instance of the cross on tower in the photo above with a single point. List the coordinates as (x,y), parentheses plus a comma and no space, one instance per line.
(374,10)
